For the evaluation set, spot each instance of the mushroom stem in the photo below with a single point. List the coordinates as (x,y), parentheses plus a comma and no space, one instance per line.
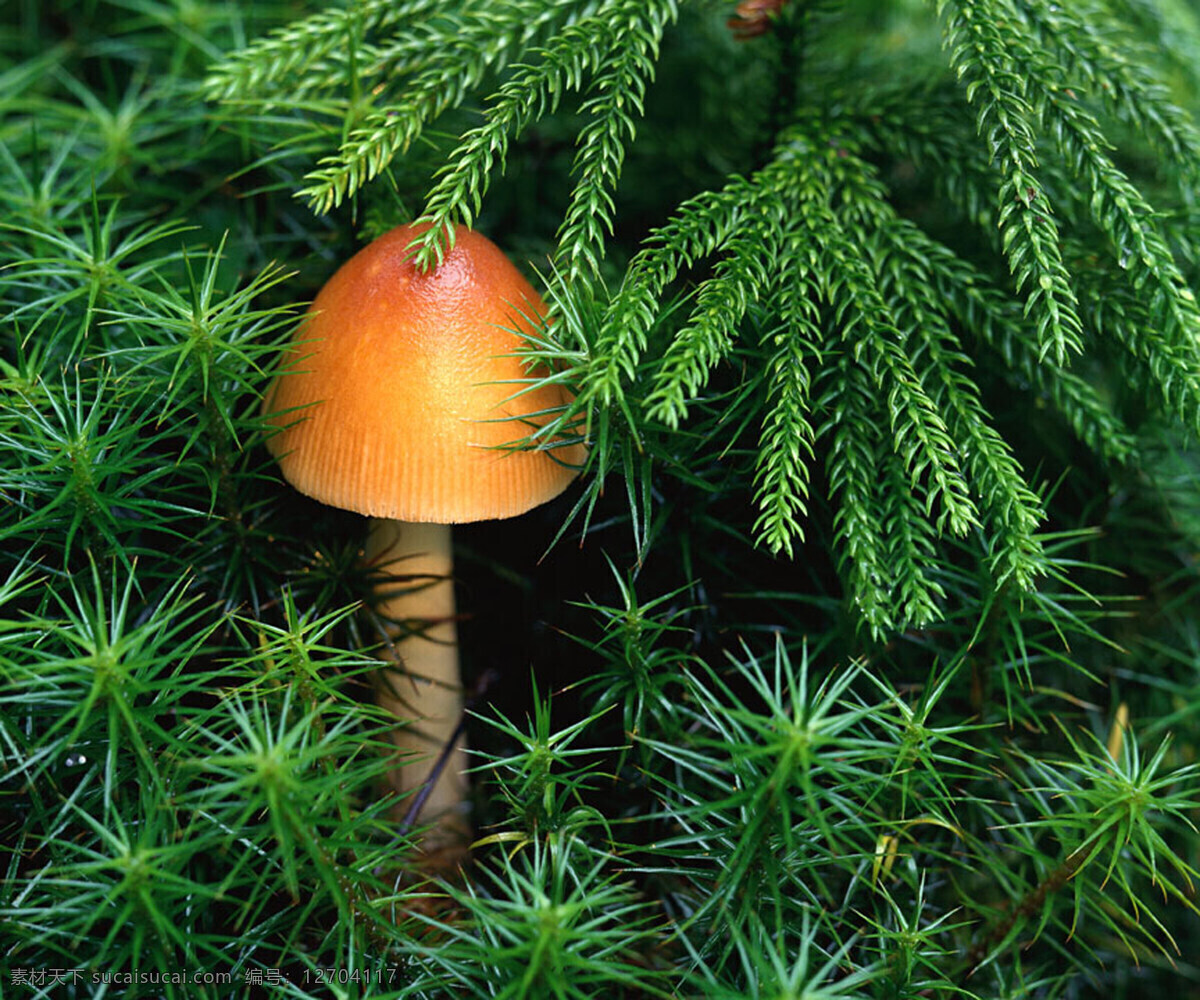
(423,686)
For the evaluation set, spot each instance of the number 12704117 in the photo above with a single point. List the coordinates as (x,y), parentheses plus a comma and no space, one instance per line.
(329,975)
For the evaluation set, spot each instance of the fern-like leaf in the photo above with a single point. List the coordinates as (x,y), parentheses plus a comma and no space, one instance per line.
(996,60)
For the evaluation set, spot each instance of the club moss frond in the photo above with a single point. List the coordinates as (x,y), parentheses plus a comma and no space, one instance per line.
(910,541)
(617,44)
(973,300)
(304,48)
(852,426)
(998,65)
(1114,66)
(698,229)
(920,434)
(462,52)
(785,448)
(1126,218)
(744,272)
(1013,513)
(616,100)
(1160,358)
(1136,238)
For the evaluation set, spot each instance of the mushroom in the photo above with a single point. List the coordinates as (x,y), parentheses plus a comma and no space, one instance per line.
(404,404)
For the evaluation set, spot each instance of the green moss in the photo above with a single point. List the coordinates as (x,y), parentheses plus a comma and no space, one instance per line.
(861,661)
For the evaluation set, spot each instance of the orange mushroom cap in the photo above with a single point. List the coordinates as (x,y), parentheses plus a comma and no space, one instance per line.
(402,399)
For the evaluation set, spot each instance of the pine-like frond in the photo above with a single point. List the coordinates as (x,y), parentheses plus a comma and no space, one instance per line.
(743,274)
(911,550)
(851,431)
(697,230)
(999,66)
(617,44)
(1123,214)
(1112,64)
(616,99)
(876,327)
(316,52)
(1003,326)
(785,448)
(1012,512)
(460,51)
(920,432)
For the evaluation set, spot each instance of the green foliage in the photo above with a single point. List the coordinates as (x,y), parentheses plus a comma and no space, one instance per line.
(864,655)
(550,922)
